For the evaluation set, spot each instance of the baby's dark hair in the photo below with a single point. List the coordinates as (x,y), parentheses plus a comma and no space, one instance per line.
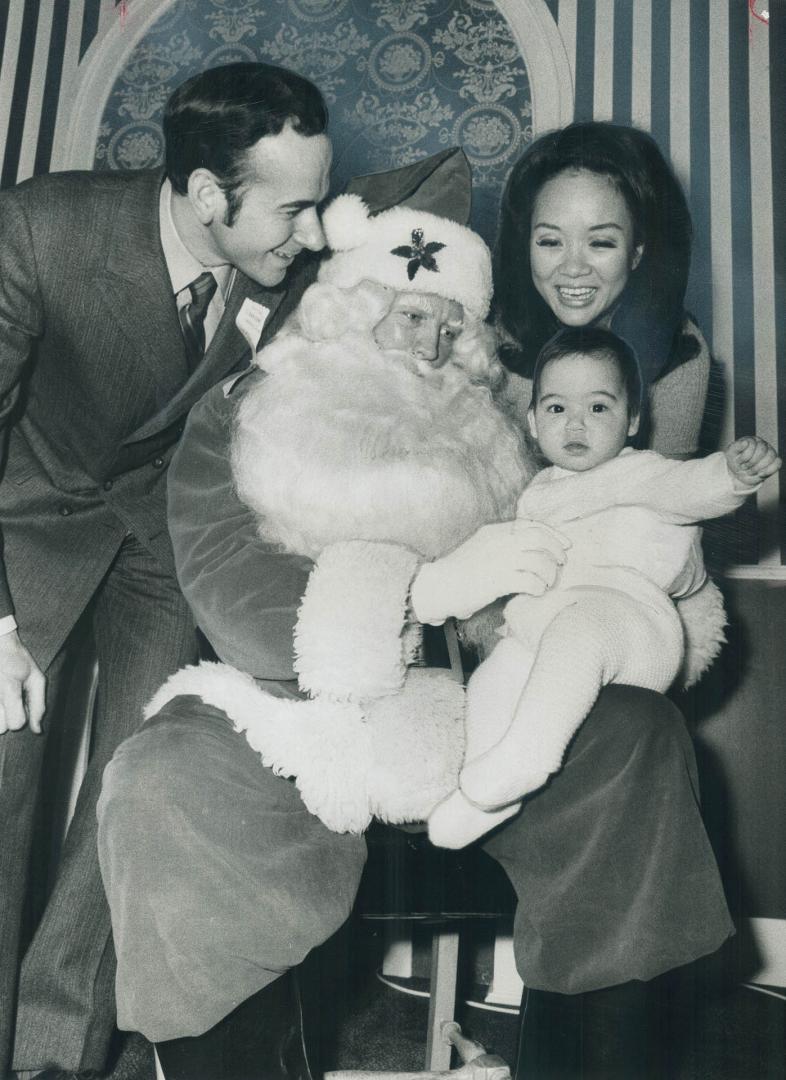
(593,341)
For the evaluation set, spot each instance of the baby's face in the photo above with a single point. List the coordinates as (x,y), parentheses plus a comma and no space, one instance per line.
(581,417)
(420,329)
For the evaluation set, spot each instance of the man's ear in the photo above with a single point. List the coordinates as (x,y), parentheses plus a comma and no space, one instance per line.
(638,251)
(533,430)
(633,426)
(206,197)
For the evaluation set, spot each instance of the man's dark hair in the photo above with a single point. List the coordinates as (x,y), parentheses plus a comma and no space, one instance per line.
(212,120)
(593,341)
(650,310)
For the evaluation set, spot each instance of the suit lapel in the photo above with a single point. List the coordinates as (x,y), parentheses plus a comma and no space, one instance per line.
(135,268)
(228,346)
(225,353)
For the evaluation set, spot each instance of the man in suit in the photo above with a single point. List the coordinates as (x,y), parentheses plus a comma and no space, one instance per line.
(123,298)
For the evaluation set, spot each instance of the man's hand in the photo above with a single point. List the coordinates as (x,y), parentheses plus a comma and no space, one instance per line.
(751,460)
(510,557)
(22,686)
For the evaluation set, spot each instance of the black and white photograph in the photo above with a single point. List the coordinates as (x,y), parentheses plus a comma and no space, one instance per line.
(392,539)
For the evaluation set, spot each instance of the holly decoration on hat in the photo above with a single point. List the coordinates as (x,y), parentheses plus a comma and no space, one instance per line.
(419,254)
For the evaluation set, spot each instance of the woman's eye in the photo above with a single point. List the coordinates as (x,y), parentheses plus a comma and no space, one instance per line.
(546,241)
(603,244)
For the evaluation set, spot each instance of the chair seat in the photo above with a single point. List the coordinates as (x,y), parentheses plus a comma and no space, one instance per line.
(407,877)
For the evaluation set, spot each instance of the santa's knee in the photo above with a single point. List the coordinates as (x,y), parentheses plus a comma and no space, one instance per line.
(139,779)
(634,730)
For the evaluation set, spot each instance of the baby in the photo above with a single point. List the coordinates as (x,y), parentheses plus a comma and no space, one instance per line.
(609,618)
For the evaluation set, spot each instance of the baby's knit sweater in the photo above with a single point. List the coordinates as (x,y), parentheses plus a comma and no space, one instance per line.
(630,513)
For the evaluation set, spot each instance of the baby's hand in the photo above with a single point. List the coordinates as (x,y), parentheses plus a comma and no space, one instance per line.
(751,460)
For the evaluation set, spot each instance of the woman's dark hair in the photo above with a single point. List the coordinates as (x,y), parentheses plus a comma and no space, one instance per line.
(593,341)
(212,120)
(650,310)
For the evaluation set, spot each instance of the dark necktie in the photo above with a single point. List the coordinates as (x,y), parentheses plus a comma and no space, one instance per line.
(192,317)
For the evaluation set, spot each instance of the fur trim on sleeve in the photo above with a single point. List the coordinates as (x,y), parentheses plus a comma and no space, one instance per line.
(348,640)
(325,746)
(395,759)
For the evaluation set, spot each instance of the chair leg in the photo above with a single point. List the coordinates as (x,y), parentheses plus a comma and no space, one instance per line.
(444,1034)
(477,1064)
(442,1003)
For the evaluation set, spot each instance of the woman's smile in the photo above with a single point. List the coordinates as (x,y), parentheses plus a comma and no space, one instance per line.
(576,296)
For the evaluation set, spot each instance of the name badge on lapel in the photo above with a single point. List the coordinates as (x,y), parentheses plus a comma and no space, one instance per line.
(250,321)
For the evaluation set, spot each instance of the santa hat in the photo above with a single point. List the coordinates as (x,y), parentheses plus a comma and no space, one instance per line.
(407,250)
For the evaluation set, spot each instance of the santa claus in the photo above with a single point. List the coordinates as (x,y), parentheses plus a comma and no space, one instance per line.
(374,444)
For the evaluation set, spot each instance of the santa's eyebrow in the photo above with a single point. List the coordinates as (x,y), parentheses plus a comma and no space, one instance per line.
(423,301)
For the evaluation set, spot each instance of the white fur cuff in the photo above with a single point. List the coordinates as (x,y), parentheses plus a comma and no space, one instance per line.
(348,640)
(396,760)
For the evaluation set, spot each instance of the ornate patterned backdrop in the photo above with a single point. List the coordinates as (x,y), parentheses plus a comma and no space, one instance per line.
(403,78)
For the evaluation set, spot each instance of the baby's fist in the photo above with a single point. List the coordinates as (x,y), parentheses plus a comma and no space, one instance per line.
(751,460)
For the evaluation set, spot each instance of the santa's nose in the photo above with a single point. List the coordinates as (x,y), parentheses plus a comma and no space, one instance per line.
(427,346)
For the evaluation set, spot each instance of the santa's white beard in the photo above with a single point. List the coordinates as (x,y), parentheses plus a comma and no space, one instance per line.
(341,442)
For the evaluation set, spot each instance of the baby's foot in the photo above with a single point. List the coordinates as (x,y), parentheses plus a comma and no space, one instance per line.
(455,822)
(497,778)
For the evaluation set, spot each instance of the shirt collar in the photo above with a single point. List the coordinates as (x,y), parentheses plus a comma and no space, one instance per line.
(183,267)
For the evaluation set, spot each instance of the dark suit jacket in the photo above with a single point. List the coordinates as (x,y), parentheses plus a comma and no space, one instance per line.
(94,388)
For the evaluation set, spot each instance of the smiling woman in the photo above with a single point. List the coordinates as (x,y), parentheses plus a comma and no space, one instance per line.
(595,230)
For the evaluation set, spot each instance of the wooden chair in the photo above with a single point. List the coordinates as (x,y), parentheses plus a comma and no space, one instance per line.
(409,881)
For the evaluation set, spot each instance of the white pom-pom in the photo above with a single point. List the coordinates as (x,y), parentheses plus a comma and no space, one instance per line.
(346,223)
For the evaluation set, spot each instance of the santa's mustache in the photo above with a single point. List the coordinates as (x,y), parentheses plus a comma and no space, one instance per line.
(432,370)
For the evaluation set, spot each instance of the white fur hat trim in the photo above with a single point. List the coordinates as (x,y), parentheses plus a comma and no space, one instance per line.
(407,250)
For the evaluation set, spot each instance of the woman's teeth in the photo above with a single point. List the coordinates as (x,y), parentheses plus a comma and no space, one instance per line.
(579,295)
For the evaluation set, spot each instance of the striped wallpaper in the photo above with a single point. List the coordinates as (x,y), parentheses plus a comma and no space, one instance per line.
(696,73)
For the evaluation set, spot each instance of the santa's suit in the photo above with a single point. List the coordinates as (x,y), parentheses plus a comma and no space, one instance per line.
(219,878)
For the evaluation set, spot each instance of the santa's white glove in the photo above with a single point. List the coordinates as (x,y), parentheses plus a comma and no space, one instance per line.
(518,556)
